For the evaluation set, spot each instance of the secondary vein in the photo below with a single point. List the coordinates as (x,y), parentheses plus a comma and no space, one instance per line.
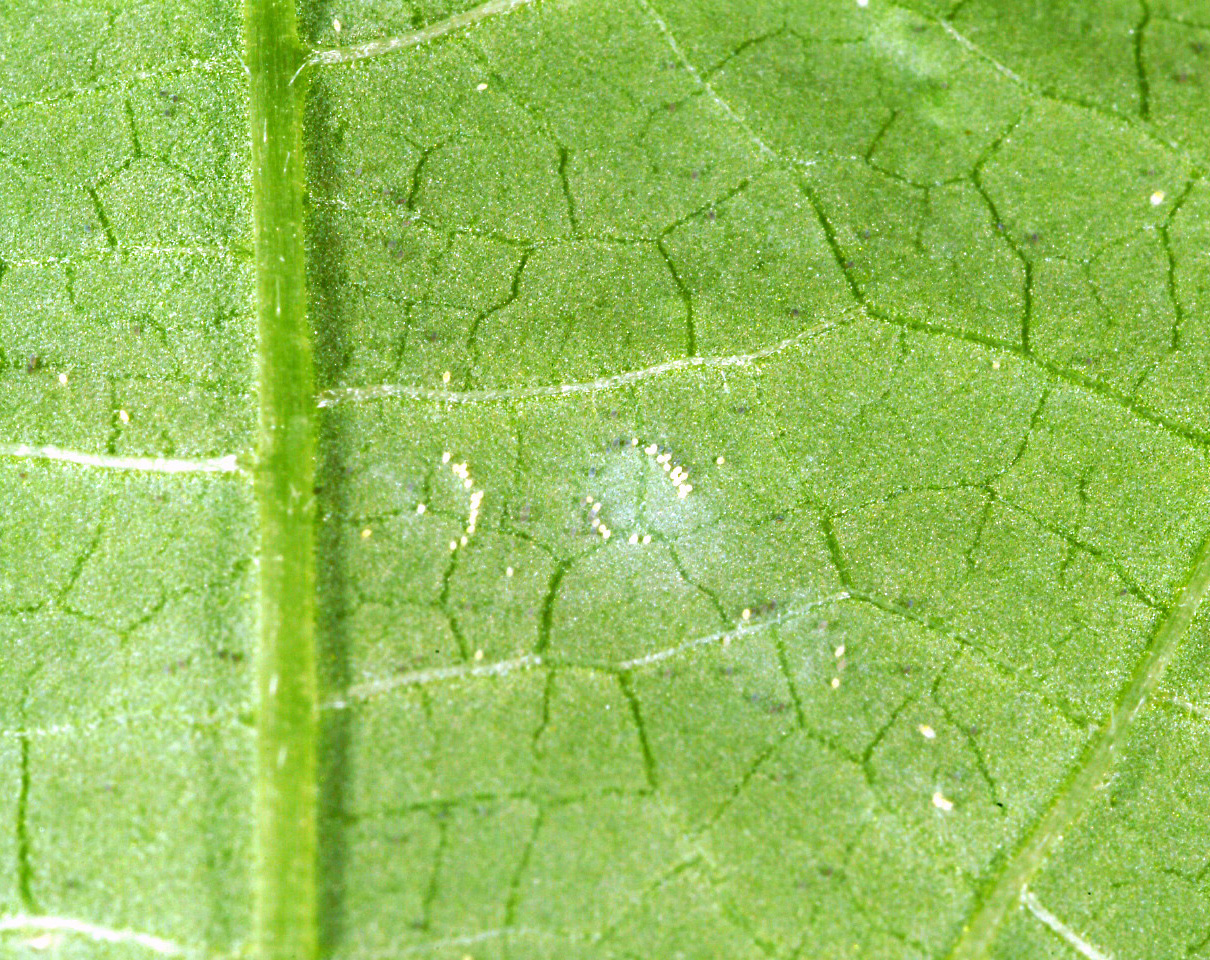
(1067,806)
(375,48)
(287,694)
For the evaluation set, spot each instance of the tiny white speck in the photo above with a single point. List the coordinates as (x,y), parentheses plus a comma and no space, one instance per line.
(508,572)
(281,756)
(863,3)
(63,379)
(646,538)
(478,654)
(941,802)
(719,461)
(634,442)
(336,25)
(835,682)
(1157,198)
(463,541)
(995,364)
(927,732)
(839,651)
(273,685)
(445,377)
(124,416)
(633,538)
(420,508)
(445,457)
(366,533)
(747,614)
(651,450)
(467,483)
(481,87)
(453,544)
(606,533)
(588,500)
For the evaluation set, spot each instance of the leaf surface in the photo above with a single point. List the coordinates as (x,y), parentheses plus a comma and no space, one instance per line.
(761,490)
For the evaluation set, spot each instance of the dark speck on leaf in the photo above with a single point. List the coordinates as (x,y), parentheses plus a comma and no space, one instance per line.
(592,472)
(848,264)
(33,363)
(740,409)
(1033,238)
(865,234)
(794,311)
(1197,46)
(710,214)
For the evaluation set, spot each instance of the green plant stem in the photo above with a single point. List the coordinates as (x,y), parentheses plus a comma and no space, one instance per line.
(287,714)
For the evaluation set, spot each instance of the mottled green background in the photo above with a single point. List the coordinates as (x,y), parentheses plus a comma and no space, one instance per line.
(946,267)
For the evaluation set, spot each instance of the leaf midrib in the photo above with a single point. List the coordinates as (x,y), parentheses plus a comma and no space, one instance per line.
(285,882)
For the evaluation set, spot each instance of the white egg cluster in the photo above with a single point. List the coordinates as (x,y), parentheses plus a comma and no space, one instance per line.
(463,473)
(594,510)
(677,474)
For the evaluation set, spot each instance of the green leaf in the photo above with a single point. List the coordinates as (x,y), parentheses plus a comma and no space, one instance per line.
(551,479)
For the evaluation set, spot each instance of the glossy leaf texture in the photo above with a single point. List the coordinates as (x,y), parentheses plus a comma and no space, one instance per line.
(762,488)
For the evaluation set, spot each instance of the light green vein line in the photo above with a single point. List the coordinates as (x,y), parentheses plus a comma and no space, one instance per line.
(287,695)
(979,933)
(375,48)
